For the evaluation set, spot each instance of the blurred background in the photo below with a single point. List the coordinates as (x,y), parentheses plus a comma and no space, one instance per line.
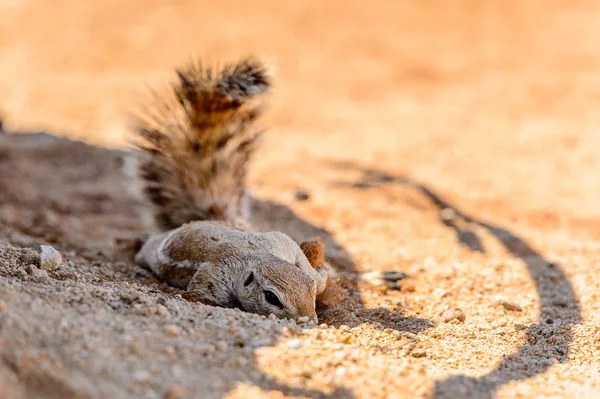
(490,100)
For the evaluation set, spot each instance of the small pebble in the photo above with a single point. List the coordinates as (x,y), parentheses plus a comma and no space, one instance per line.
(389,278)
(307,374)
(448,214)
(560,303)
(288,332)
(303,319)
(50,258)
(204,349)
(175,392)
(221,345)
(418,353)
(301,195)
(260,342)
(162,310)
(172,330)
(509,305)
(39,274)
(408,286)
(520,327)
(141,376)
(401,334)
(169,350)
(272,316)
(295,344)
(161,301)
(453,314)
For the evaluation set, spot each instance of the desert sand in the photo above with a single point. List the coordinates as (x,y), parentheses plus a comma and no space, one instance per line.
(453,141)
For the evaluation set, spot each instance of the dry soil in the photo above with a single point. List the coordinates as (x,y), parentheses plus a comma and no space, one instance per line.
(455,141)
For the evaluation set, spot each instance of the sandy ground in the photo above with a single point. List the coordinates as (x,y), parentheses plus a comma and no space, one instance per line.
(454,141)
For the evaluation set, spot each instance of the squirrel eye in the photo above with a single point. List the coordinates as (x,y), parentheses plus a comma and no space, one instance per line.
(273,299)
(249,280)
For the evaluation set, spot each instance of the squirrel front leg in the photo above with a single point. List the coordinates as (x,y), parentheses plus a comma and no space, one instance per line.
(333,294)
(157,255)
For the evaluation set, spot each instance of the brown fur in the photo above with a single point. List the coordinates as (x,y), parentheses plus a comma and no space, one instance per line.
(197,142)
(314,250)
(195,150)
(333,295)
(214,262)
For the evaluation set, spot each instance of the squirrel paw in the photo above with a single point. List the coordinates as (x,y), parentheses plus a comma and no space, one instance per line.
(314,250)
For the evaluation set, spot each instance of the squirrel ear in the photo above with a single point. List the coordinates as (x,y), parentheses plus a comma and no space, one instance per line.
(314,250)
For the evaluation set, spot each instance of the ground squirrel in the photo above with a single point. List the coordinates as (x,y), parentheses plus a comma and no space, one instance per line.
(194,150)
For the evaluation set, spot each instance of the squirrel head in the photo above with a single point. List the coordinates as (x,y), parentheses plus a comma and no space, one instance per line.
(257,283)
(271,285)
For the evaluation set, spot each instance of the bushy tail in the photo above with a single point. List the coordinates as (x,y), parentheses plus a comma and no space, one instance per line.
(197,141)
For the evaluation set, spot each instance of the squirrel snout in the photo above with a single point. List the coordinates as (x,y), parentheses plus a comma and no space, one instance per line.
(306,313)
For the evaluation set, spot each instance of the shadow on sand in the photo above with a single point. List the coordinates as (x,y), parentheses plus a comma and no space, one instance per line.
(52,189)
(559,305)
(75,196)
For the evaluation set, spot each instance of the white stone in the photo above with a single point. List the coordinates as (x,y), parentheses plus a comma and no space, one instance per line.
(295,344)
(50,258)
